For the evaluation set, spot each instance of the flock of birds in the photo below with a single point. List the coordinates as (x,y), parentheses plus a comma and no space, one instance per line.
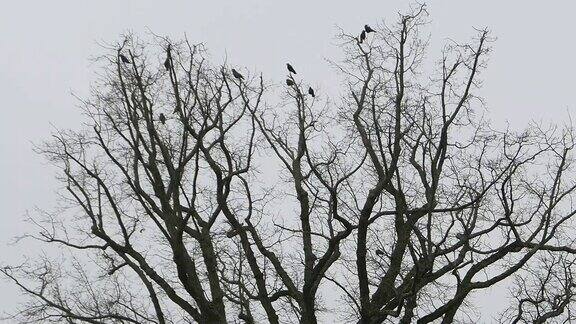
(289,81)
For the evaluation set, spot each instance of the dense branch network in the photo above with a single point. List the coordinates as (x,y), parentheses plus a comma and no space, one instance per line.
(199,194)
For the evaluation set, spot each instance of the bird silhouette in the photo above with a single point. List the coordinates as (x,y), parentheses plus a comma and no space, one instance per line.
(289,82)
(362,36)
(162,118)
(231,233)
(368,29)
(237,75)
(235,231)
(124,59)
(167,64)
(244,317)
(311,92)
(290,68)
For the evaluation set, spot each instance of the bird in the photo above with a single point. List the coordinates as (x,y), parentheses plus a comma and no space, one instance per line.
(162,118)
(244,317)
(311,92)
(516,246)
(290,68)
(124,59)
(235,231)
(231,233)
(368,29)
(237,75)
(362,36)
(167,63)
(289,82)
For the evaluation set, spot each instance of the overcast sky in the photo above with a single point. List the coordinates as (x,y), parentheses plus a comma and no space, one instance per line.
(46,46)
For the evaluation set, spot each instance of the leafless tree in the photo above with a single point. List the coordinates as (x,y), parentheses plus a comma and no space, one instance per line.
(200,195)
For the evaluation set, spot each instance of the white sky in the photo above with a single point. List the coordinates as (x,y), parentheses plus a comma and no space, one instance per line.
(45,50)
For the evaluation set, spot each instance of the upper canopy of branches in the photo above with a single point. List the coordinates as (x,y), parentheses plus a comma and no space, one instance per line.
(202,197)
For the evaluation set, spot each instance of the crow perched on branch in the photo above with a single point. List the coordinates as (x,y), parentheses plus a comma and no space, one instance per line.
(235,231)
(290,68)
(167,63)
(289,82)
(368,29)
(311,92)
(237,75)
(162,118)
(124,59)
(362,36)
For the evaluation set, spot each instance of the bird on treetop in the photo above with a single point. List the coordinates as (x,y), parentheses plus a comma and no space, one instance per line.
(362,36)
(124,59)
(290,68)
(289,82)
(167,64)
(237,75)
(368,29)
(311,92)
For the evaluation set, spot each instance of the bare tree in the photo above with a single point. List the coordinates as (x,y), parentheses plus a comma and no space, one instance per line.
(198,194)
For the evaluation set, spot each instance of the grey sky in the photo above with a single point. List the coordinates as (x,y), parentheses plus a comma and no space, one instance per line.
(45,50)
